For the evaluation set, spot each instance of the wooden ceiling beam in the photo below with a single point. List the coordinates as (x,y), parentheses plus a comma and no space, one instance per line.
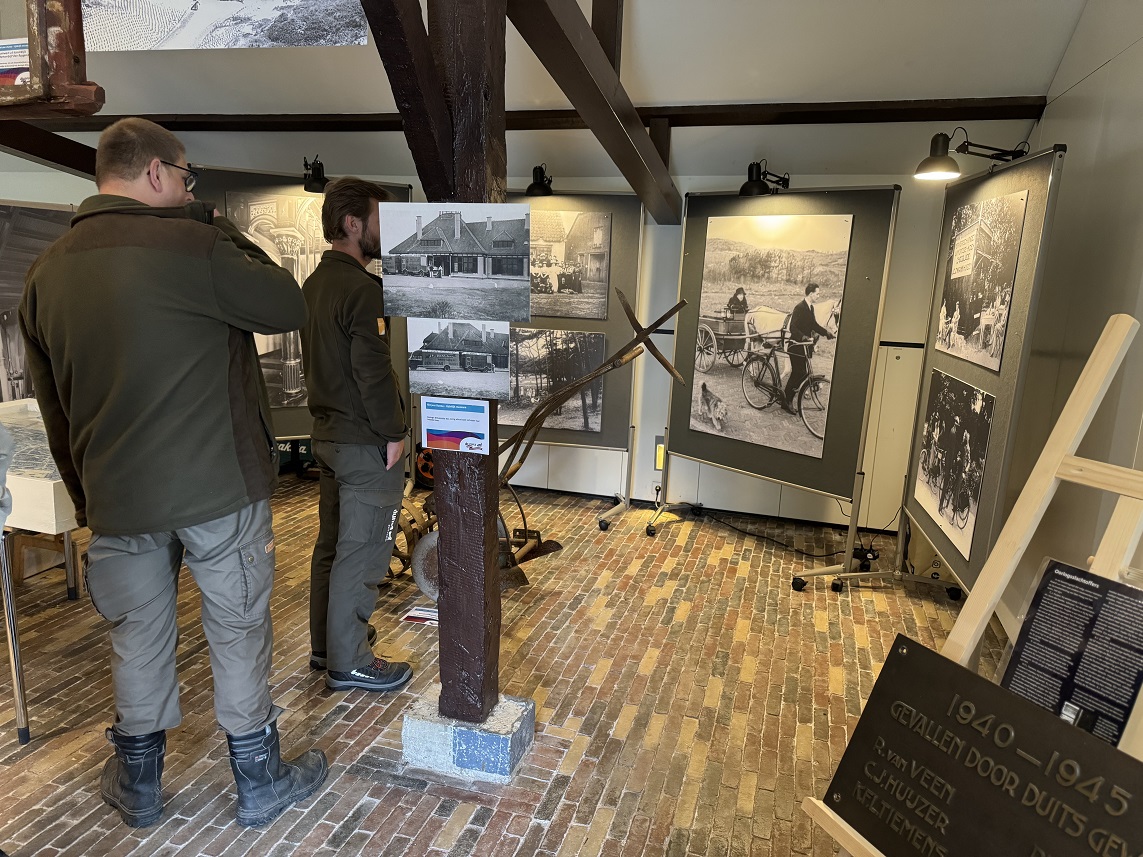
(561,38)
(403,44)
(695,115)
(607,24)
(26,141)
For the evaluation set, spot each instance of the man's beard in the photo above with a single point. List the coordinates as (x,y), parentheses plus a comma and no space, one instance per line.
(369,246)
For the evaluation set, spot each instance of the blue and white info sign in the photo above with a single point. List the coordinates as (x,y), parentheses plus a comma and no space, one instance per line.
(454,424)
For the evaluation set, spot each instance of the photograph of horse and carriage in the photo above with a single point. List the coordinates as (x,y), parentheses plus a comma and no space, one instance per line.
(769,313)
(980,273)
(958,421)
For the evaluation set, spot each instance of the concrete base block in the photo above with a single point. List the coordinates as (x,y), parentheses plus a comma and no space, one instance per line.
(488,751)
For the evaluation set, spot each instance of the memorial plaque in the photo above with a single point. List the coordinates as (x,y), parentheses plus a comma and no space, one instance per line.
(945,763)
(1080,650)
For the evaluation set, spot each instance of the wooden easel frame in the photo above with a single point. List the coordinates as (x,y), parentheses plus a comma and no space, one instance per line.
(1057,463)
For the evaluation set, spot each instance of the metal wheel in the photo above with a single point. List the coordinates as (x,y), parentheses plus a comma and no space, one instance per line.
(813,404)
(837,585)
(759,383)
(650,529)
(798,583)
(424,565)
(425,562)
(604,524)
(736,357)
(706,349)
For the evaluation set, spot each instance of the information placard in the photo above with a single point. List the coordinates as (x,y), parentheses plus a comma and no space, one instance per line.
(454,424)
(943,762)
(1080,650)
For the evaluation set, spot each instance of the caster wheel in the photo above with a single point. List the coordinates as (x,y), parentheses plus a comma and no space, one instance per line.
(798,583)
(603,525)
(650,529)
(837,585)
(954,593)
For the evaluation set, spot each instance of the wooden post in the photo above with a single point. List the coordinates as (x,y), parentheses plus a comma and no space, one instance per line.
(467,38)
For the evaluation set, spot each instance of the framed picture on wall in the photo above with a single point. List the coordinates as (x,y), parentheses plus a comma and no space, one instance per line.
(958,422)
(769,310)
(544,361)
(570,263)
(980,274)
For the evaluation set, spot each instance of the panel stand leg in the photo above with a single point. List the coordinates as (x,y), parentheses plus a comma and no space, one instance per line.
(71,567)
(662,507)
(844,569)
(23,733)
(622,501)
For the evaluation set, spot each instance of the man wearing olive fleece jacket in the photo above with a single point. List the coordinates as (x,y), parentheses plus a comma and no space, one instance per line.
(358,440)
(138,324)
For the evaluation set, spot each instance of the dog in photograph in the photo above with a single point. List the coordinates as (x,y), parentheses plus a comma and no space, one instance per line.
(712,407)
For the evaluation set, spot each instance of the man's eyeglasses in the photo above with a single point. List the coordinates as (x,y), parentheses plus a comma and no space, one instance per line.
(188,180)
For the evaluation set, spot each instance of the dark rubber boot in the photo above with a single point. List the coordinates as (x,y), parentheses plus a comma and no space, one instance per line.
(131,777)
(266,784)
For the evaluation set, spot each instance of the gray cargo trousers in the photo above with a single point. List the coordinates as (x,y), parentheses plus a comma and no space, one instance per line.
(134,582)
(357,522)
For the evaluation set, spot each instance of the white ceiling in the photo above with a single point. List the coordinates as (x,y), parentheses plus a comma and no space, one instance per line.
(674,52)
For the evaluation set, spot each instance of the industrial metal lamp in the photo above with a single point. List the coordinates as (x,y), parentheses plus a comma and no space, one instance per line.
(941,166)
(759,180)
(313,179)
(541,182)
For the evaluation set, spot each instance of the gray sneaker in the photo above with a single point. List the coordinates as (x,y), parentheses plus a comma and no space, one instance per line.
(380,675)
(318,659)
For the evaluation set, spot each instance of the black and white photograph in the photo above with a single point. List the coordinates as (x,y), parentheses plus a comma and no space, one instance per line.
(468,359)
(958,421)
(456,260)
(570,263)
(980,273)
(25,233)
(288,228)
(143,25)
(769,312)
(545,361)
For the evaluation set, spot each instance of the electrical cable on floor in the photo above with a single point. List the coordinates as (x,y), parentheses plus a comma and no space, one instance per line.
(881,532)
(781,544)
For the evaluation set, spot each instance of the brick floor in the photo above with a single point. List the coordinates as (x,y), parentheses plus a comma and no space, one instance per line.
(687,701)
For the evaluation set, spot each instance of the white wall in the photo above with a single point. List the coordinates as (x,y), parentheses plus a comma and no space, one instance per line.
(1096,108)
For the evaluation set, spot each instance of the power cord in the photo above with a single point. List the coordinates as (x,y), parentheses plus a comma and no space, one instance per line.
(781,544)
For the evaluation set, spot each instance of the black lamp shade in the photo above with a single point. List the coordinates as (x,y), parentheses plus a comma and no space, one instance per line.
(314,180)
(754,185)
(541,184)
(939,165)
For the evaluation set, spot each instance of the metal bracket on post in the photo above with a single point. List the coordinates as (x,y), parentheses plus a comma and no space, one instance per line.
(662,507)
(622,501)
(23,732)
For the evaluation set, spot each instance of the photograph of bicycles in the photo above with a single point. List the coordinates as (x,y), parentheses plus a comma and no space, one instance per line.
(769,313)
(958,421)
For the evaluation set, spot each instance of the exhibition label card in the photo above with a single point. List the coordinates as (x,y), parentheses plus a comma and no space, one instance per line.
(1080,650)
(454,424)
(945,763)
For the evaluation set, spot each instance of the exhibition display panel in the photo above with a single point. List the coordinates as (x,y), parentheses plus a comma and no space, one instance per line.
(991,354)
(784,302)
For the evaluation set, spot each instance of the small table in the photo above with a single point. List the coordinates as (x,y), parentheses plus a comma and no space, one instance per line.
(40,503)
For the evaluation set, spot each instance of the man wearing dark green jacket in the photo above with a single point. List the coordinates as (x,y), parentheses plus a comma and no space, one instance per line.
(138,324)
(358,441)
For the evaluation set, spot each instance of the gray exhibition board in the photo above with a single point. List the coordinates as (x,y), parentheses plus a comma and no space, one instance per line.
(625,250)
(830,467)
(1026,315)
(213,185)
